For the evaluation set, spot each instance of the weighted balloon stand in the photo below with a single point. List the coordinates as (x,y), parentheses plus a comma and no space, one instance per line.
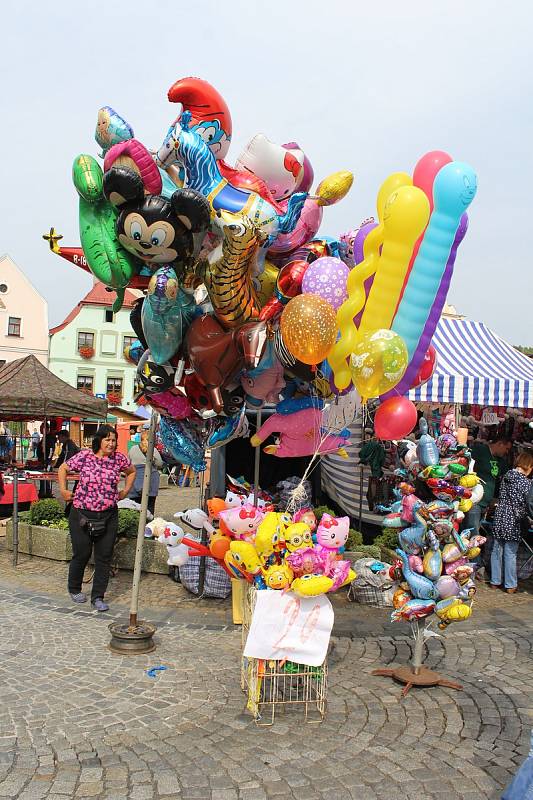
(416,674)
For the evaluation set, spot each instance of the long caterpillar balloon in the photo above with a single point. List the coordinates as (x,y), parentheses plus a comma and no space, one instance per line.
(405,216)
(338,355)
(453,190)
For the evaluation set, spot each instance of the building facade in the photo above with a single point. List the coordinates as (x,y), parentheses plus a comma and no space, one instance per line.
(87,349)
(23,316)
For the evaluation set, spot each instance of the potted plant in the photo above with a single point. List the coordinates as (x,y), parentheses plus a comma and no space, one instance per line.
(86,351)
(114,398)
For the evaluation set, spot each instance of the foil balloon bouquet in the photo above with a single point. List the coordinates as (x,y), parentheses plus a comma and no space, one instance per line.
(282,551)
(245,304)
(435,566)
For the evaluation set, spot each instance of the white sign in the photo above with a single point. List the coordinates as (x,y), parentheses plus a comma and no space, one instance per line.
(489,417)
(286,626)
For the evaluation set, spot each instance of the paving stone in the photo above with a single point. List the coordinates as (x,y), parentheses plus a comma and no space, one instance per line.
(101,728)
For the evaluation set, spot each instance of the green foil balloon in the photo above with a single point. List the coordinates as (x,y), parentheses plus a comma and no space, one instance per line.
(107,259)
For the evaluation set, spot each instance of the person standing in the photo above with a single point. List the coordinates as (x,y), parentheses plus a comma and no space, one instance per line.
(93,518)
(25,444)
(137,455)
(490,466)
(510,511)
(35,440)
(68,448)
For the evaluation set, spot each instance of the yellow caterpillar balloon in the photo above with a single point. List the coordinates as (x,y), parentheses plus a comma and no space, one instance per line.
(351,307)
(405,216)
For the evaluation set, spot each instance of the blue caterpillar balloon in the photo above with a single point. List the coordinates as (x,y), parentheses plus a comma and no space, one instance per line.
(454,189)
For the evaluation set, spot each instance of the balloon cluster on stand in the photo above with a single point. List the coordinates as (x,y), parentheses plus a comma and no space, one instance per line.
(280,550)
(245,304)
(435,567)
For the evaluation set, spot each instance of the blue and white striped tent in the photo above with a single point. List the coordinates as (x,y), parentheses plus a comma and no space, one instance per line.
(475,366)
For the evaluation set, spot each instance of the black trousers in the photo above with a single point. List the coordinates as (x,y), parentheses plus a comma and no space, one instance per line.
(82,547)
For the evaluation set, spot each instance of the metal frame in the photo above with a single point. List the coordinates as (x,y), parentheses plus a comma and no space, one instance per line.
(272,690)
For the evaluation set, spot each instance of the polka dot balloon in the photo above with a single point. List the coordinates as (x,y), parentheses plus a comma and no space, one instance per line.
(326,277)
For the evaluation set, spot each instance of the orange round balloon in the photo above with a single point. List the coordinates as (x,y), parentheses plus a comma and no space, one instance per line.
(308,328)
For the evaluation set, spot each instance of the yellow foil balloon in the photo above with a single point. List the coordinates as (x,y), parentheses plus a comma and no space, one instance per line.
(308,328)
(355,286)
(334,188)
(267,283)
(378,362)
(405,216)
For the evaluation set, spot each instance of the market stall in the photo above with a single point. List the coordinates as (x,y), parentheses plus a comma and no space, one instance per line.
(475,366)
(29,391)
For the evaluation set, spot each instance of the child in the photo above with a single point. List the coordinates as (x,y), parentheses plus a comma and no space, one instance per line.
(509,514)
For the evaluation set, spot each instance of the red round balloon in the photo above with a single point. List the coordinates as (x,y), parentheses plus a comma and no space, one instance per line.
(427,368)
(395,418)
(290,277)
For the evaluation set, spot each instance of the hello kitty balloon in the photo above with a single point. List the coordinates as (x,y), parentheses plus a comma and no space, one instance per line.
(332,533)
(242,522)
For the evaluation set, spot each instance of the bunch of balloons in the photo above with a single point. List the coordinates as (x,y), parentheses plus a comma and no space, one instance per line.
(280,550)
(244,304)
(435,566)
(403,266)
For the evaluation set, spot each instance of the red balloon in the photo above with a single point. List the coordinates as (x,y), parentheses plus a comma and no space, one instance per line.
(290,277)
(426,171)
(395,418)
(288,285)
(427,368)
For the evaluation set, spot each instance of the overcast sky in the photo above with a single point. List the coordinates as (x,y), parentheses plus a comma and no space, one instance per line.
(368,87)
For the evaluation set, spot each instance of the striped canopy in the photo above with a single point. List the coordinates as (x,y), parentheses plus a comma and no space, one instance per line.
(475,366)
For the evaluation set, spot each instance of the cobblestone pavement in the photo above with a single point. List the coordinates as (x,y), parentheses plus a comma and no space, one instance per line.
(77,721)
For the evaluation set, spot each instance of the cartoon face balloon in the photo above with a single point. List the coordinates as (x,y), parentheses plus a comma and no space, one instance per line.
(281,169)
(210,114)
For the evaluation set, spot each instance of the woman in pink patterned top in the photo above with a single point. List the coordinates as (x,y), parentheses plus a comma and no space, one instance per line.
(93,517)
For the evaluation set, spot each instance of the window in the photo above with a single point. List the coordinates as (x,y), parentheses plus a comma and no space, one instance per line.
(13,327)
(85,339)
(109,316)
(114,386)
(128,341)
(3,288)
(2,362)
(85,383)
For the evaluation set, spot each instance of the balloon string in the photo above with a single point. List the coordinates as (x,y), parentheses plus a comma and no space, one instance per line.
(298,493)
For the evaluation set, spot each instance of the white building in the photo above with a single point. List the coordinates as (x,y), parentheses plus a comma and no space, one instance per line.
(23,316)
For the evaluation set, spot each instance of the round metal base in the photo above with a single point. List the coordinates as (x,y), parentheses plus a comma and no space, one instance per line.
(424,677)
(132,641)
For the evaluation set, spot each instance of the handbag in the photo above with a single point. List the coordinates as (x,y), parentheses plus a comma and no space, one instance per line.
(95,526)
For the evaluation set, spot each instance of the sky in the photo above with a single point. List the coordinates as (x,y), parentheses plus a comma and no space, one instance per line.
(368,87)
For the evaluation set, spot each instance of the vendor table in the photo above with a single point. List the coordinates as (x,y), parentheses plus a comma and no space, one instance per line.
(27,493)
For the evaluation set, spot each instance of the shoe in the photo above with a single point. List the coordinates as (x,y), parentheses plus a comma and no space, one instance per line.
(78,598)
(494,586)
(511,591)
(99,604)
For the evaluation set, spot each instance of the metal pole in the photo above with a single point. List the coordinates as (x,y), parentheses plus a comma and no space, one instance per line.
(418,648)
(142,520)
(15,517)
(257,458)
